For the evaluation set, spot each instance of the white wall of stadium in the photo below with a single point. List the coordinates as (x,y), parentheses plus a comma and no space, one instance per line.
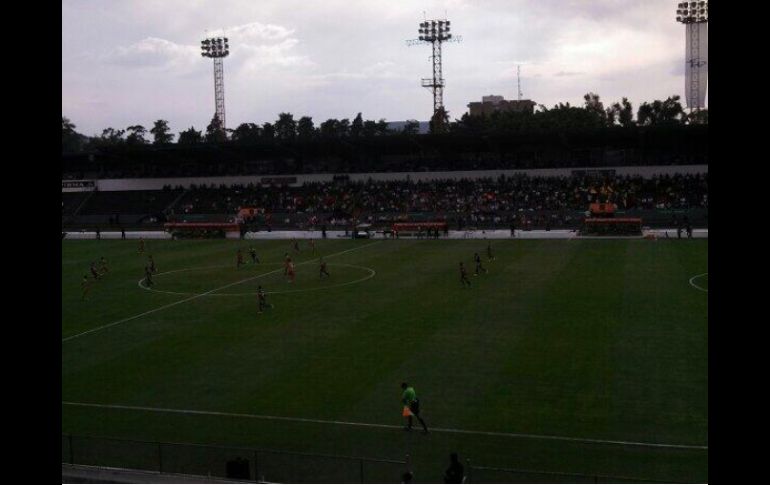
(115,185)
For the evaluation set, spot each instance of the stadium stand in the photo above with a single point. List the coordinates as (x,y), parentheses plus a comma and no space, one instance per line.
(528,201)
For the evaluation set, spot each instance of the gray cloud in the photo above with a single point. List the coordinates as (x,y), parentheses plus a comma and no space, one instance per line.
(333,58)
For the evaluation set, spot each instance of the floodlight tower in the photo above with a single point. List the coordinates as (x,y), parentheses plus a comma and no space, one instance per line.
(217,48)
(434,32)
(695,17)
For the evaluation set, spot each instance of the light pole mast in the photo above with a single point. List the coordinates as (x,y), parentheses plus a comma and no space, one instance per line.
(435,32)
(695,16)
(217,48)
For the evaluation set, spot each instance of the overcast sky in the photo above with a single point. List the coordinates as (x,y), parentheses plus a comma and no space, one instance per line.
(133,62)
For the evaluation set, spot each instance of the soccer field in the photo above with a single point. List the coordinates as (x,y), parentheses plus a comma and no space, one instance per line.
(571,356)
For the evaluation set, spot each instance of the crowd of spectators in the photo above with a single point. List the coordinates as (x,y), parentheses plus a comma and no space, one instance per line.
(479,197)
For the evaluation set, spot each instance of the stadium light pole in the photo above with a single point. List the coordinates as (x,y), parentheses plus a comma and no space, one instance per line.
(695,16)
(435,32)
(217,48)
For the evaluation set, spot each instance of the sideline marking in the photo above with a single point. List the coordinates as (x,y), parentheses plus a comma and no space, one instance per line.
(384,426)
(696,286)
(371,275)
(202,294)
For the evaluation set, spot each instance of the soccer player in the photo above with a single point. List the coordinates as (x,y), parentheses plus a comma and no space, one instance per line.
(286,263)
(477,258)
(153,269)
(464,276)
(295,243)
(290,271)
(94,271)
(455,473)
(85,285)
(141,244)
(490,257)
(323,269)
(253,253)
(239,260)
(312,246)
(262,301)
(411,407)
(148,277)
(103,266)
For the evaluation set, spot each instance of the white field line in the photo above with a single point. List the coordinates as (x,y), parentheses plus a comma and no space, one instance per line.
(371,275)
(384,426)
(201,295)
(696,286)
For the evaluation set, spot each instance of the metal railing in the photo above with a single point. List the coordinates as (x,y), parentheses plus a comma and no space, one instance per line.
(211,460)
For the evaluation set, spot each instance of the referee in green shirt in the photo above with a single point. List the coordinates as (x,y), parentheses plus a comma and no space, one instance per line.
(409,399)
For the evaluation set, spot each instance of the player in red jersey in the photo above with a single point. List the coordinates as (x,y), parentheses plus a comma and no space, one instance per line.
(286,262)
(141,244)
(94,271)
(312,246)
(290,271)
(103,269)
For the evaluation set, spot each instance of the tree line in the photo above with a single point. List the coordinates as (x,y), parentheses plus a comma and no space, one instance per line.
(592,115)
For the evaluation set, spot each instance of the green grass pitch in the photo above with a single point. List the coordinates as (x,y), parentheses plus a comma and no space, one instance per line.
(599,339)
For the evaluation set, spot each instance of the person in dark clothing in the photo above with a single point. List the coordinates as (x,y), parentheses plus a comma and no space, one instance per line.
(147,277)
(464,276)
(479,266)
(455,473)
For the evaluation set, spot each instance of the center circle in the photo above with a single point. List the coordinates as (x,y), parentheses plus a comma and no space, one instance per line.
(273,281)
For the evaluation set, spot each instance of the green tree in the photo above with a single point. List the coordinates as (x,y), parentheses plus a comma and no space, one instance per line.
(594,105)
(439,122)
(382,127)
(343,128)
(357,127)
(370,128)
(659,112)
(136,135)
(71,140)
(305,128)
(247,133)
(700,117)
(161,133)
(328,128)
(625,113)
(190,137)
(286,127)
(268,131)
(111,137)
(215,132)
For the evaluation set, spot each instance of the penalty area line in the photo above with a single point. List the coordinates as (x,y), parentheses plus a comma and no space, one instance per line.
(384,426)
(103,327)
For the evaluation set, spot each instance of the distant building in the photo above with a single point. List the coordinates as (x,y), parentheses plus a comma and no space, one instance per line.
(493,103)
